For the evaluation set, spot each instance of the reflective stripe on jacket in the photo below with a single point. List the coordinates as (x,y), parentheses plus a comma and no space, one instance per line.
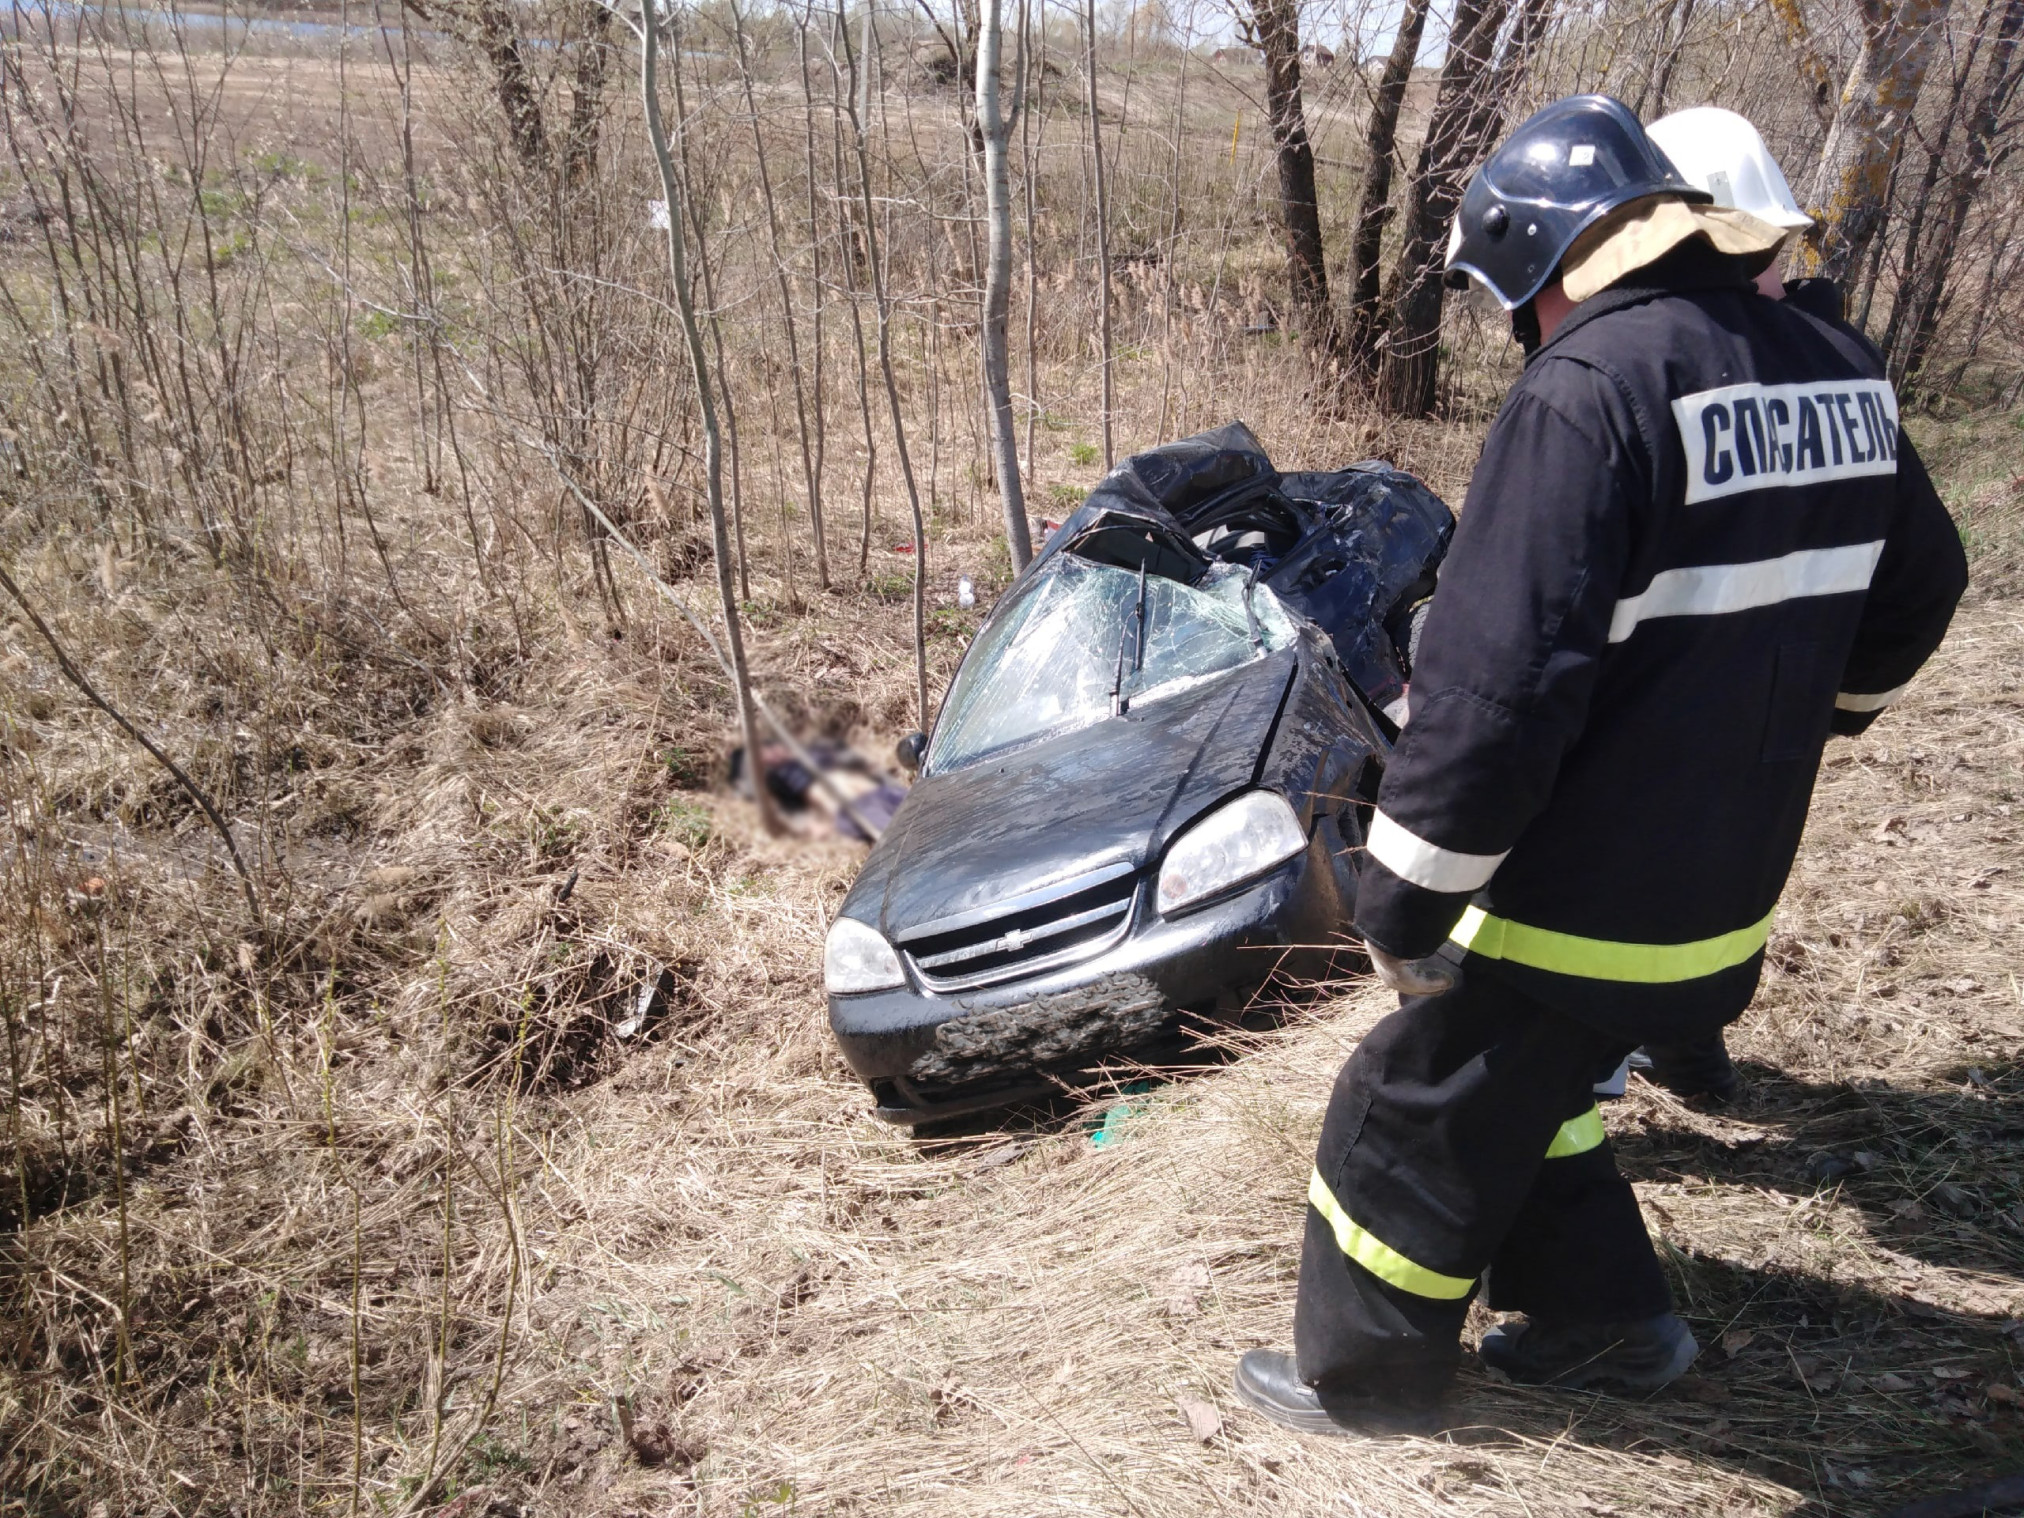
(1696,543)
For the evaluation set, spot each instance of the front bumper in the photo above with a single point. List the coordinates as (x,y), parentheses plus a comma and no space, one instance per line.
(929,1055)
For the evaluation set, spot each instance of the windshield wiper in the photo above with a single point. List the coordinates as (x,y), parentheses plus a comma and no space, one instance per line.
(1139,659)
(1117,703)
(1250,616)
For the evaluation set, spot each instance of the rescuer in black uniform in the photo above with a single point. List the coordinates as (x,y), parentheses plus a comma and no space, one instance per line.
(1696,543)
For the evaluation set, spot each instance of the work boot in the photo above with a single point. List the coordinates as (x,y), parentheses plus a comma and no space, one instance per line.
(1700,1069)
(1630,1357)
(1269,1380)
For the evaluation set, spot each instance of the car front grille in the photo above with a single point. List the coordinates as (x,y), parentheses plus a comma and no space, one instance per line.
(1039,931)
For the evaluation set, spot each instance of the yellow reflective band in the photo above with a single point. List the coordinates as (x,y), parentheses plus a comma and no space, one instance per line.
(1378,1257)
(1602,959)
(1577,1135)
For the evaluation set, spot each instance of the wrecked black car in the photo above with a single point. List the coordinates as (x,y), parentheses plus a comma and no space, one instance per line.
(1146,790)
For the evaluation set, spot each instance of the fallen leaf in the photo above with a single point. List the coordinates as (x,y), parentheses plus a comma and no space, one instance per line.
(1204,1422)
(1949,1373)
(1736,1340)
(2004,1392)
(1889,1381)
(1888,826)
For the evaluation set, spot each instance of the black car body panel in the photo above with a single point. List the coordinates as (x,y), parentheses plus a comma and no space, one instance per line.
(1018,882)
(1061,808)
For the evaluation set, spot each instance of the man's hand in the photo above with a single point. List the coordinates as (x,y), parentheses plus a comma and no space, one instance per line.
(1412,977)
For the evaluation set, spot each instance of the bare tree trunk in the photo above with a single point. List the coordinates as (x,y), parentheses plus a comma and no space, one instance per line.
(786,302)
(885,363)
(1926,296)
(1661,78)
(518,99)
(1411,359)
(1380,145)
(816,299)
(586,94)
(1102,239)
(1468,113)
(713,447)
(996,129)
(1913,265)
(1848,193)
(716,341)
(851,252)
(1275,27)
(1806,58)
(1030,143)
(1173,247)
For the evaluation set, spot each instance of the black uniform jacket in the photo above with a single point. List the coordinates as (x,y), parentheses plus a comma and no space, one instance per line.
(1696,543)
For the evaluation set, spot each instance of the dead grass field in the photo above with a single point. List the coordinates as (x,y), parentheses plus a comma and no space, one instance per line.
(826,1317)
(408,1200)
(687,1271)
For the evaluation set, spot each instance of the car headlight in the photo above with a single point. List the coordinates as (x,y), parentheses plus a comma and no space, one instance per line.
(856,958)
(1231,845)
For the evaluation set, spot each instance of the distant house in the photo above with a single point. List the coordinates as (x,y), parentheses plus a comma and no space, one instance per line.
(1315,56)
(1235,55)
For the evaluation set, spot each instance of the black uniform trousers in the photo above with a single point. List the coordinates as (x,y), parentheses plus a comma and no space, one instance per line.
(1463,1138)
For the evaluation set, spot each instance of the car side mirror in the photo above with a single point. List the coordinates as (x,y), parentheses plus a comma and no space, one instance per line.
(909,750)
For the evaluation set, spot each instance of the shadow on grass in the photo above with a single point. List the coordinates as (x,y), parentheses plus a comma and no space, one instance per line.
(1938,1173)
(1862,1400)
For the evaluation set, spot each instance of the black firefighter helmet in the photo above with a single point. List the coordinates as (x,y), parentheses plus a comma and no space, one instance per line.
(1564,169)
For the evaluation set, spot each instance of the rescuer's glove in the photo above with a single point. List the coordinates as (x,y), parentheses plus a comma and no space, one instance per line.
(1412,977)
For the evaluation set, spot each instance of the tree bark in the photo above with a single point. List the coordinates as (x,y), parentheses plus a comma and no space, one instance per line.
(1029,145)
(1985,154)
(1102,237)
(1410,364)
(518,100)
(1380,143)
(786,301)
(996,130)
(883,306)
(1849,187)
(1806,58)
(1276,25)
(713,444)
(586,94)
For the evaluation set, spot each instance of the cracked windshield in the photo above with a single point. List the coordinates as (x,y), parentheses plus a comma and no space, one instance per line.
(1050,662)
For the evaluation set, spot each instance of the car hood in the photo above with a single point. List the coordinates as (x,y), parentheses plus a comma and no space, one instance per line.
(1091,802)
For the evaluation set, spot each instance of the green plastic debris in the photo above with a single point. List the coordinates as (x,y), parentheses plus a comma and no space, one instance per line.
(1111,1127)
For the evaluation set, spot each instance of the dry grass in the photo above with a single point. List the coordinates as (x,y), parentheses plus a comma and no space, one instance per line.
(700,1234)
(386,1205)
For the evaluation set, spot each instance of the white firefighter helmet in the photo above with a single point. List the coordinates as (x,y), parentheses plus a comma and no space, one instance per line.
(1721,152)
